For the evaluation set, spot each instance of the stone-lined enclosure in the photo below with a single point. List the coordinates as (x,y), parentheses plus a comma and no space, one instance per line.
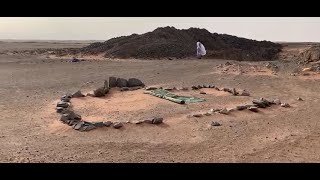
(69,117)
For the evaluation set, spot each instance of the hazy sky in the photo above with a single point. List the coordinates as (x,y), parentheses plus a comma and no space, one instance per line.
(103,28)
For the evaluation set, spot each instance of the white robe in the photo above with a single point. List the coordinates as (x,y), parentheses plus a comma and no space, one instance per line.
(201,51)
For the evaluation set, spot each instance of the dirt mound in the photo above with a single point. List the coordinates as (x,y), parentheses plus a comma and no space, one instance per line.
(169,42)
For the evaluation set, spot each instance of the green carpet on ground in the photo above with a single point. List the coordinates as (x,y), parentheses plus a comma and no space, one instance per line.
(161,93)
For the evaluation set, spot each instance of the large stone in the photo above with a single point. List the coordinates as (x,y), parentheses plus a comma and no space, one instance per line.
(78,125)
(148,120)
(244,93)
(133,82)
(117,125)
(70,116)
(107,123)
(112,82)
(99,92)
(98,124)
(197,115)
(240,108)
(106,84)
(253,109)
(259,103)
(63,104)
(157,120)
(65,99)
(122,82)
(78,94)
(60,109)
(224,111)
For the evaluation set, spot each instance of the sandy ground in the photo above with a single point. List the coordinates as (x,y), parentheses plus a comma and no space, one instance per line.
(30,130)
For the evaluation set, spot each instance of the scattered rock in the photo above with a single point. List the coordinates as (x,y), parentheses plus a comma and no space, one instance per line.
(112,82)
(208,113)
(185,89)
(199,86)
(87,126)
(299,99)
(117,125)
(78,125)
(224,111)
(228,63)
(75,60)
(240,108)
(124,89)
(60,109)
(63,104)
(107,123)
(234,92)
(122,82)
(133,82)
(99,92)
(202,92)
(78,94)
(259,103)
(151,88)
(253,109)
(194,88)
(148,121)
(197,115)
(157,120)
(244,93)
(65,98)
(98,124)
(214,123)
(286,105)
(276,101)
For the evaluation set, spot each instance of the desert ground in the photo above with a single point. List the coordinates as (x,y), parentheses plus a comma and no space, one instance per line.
(31,85)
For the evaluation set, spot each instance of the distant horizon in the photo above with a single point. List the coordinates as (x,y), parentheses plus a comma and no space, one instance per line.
(274,29)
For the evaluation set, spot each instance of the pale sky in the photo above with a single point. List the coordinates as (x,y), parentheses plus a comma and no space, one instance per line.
(298,29)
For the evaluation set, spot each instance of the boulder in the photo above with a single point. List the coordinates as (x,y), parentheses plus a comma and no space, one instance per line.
(244,93)
(224,111)
(63,104)
(240,108)
(112,82)
(133,82)
(202,92)
(122,82)
(98,124)
(107,123)
(106,84)
(276,101)
(253,109)
(78,94)
(117,125)
(99,92)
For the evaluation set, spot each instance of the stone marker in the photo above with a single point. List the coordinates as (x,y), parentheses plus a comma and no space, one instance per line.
(107,123)
(122,83)
(78,94)
(112,82)
(117,125)
(100,92)
(133,82)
